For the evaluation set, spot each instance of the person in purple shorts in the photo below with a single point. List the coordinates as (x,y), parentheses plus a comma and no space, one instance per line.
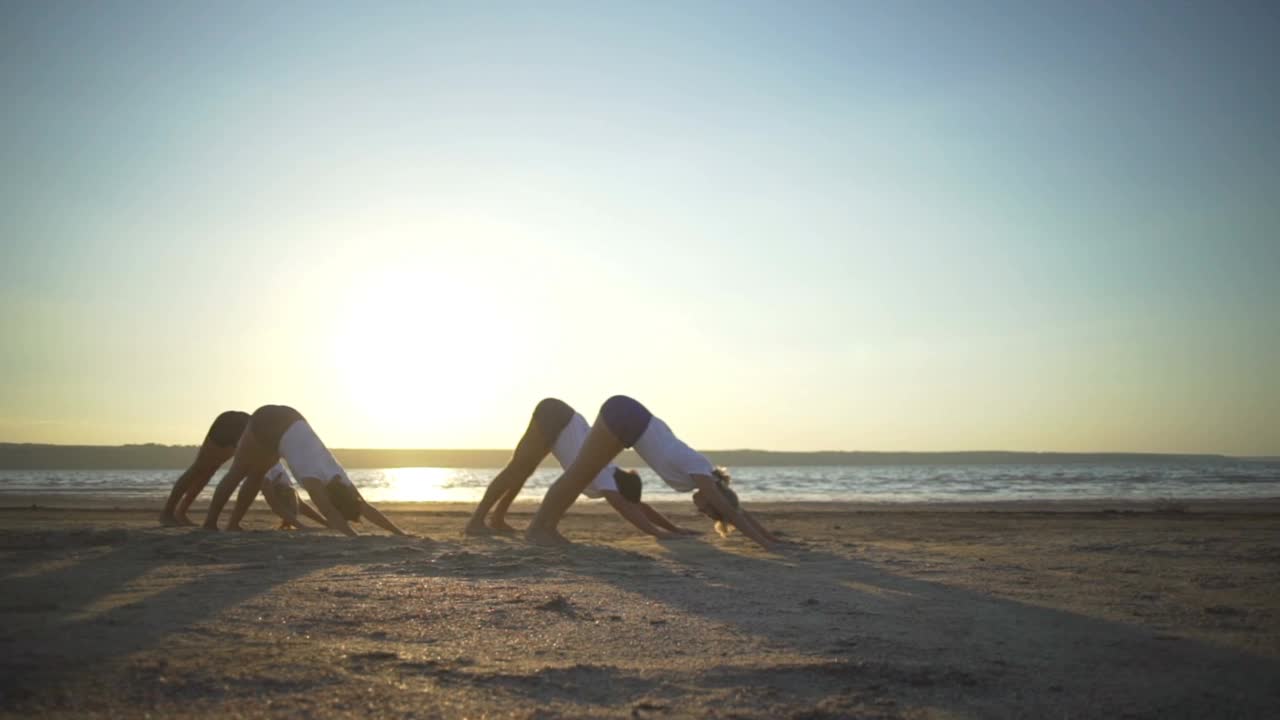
(625,423)
(557,429)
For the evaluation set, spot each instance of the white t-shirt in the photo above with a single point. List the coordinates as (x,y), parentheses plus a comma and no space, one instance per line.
(675,462)
(277,474)
(308,457)
(566,448)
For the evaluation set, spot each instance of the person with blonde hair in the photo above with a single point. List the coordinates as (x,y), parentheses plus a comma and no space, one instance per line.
(557,429)
(625,423)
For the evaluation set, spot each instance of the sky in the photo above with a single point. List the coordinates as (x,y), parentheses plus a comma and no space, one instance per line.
(788,226)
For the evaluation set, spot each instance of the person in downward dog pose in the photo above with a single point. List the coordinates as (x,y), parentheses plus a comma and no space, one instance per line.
(624,423)
(279,431)
(218,447)
(558,429)
(282,498)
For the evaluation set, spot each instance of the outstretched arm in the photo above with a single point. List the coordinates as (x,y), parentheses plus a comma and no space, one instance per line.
(711,489)
(311,514)
(634,515)
(761,528)
(333,518)
(379,519)
(661,521)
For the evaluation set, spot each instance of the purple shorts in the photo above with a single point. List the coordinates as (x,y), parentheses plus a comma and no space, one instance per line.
(625,418)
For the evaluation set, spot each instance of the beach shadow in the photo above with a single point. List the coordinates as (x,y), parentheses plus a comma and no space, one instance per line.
(871,630)
(150,587)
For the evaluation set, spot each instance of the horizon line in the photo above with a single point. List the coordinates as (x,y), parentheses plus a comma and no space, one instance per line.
(711,451)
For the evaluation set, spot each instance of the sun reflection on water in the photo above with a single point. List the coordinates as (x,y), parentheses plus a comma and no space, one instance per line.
(415,484)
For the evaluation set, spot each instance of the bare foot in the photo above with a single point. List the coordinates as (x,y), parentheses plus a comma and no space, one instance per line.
(545,538)
(477,530)
(184,521)
(167,520)
(501,527)
(234,528)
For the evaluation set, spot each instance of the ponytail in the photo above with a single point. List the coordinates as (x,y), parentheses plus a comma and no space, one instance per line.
(723,479)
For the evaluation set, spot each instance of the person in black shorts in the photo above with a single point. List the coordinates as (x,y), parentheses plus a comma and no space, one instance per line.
(279,431)
(218,447)
(559,430)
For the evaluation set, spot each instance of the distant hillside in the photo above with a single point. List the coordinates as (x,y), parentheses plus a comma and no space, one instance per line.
(15,456)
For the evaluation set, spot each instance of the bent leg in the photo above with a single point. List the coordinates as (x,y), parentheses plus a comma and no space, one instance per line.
(221,494)
(598,451)
(250,459)
(502,490)
(191,482)
(194,476)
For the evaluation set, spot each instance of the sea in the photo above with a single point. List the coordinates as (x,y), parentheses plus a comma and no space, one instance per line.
(1131,481)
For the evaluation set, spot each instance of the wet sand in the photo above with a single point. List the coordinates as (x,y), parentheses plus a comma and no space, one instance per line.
(1034,611)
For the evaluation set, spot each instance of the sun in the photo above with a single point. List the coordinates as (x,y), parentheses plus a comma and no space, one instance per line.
(414,348)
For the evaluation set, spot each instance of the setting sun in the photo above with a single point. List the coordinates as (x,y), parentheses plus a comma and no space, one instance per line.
(411,345)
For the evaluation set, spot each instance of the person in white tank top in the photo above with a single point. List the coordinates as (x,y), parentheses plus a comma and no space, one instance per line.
(282,498)
(557,429)
(624,423)
(278,432)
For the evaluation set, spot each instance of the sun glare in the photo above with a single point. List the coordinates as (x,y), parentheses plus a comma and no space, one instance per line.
(411,344)
(418,484)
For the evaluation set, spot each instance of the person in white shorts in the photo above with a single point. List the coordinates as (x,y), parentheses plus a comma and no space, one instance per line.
(279,431)
(218,447)
(282,498)
(559,430)
(624,423)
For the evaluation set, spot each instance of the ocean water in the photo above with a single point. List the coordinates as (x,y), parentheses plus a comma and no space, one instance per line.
(887,483)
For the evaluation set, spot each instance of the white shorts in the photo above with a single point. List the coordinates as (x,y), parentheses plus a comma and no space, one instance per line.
(308,457)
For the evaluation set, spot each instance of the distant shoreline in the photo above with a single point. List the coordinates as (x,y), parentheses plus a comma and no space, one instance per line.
(26,456)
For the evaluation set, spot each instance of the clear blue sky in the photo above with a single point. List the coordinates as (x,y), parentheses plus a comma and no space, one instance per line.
(899,225)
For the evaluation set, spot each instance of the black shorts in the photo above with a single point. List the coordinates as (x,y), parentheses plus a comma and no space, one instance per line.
(625,418)
(550,417)
(227,428)
(270,422)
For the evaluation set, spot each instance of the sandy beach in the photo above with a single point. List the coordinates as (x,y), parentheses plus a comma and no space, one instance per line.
(1105,610)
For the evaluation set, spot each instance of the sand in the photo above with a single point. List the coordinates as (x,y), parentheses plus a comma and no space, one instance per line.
(881,612)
